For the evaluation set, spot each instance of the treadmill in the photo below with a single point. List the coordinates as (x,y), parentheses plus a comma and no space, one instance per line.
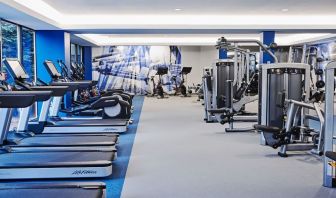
(24,141)
(45,165)
(53,190)
(54,125)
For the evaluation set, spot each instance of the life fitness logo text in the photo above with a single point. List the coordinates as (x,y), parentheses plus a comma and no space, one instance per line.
(110,129)
(84,172)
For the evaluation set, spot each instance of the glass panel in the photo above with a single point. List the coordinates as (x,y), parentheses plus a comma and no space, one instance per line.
(79,54)
(9,43)
(28,52)
(73,52)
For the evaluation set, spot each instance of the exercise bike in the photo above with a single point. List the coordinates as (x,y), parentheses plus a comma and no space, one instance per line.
(181,88)
(151,91)
(184,91)
(159,86)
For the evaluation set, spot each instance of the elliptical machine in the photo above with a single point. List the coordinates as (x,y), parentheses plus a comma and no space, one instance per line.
(85,98)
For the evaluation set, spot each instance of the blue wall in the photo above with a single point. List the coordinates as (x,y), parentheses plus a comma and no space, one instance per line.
(49,46)
(222,54)
(87,61)
(267,38)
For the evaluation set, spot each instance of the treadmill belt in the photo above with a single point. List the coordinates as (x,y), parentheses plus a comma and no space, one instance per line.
(68,141)
(100,122)
(55,159)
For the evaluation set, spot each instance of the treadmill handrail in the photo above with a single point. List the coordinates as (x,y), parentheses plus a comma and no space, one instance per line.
(57,91)
(16,99)
(40,96)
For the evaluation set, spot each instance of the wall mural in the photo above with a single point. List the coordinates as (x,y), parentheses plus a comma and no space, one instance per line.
(134,68)
(326,52)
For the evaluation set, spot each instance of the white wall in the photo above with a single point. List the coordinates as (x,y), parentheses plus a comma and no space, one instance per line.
(197,57)
(209,54)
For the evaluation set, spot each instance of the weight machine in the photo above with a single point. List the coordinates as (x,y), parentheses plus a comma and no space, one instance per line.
(229,86)
(284,109)
(309,54)
(207,93)
(329,171)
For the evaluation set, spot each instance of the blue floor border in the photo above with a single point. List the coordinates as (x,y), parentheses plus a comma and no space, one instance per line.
(115,183)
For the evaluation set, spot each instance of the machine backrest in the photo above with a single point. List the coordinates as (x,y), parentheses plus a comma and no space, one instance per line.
(208,82)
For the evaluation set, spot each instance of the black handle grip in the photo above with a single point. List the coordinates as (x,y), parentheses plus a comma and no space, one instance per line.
(269,129)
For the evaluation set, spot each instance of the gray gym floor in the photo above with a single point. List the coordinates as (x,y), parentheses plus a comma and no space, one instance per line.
(176,154)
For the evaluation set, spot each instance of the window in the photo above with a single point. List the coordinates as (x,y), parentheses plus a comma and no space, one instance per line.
(18,42)
(79,54)
(9,35)
(9,40)
(73,52)
(76,52)
(28,50)
(23,48)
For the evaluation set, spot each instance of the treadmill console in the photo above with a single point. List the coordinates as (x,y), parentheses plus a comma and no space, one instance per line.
(51,68)
(15,68)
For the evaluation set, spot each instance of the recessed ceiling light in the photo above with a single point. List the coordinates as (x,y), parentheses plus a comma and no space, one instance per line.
(285,10)
(177,9)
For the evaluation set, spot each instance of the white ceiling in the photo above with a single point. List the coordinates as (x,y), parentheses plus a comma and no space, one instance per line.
(198,22)
(194,14)
(194,39)
(12,14)
(198,7)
